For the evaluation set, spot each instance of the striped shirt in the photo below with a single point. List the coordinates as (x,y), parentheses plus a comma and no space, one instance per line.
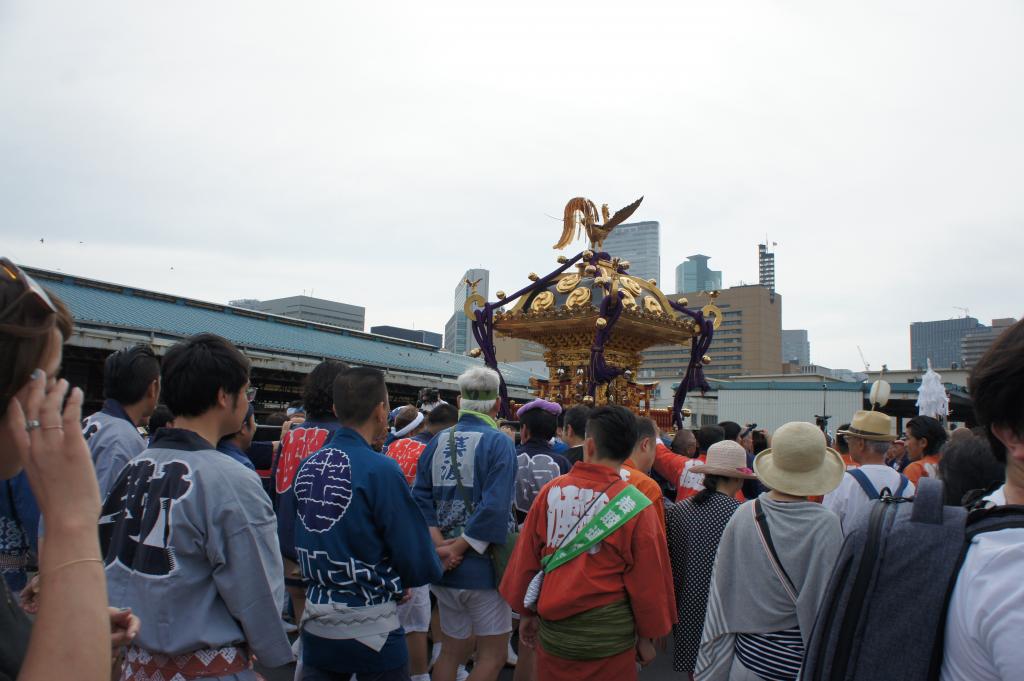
(776,656)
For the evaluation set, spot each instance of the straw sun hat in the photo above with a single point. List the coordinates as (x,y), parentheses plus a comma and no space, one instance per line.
(727,459)
(799,463)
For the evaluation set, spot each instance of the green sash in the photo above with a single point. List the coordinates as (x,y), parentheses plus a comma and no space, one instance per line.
(626,504)
(590,635)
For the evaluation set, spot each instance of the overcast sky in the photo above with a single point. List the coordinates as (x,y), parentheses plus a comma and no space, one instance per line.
(371,152)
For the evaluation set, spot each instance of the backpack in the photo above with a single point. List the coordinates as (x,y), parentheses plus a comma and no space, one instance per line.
(859,634)
(869,489)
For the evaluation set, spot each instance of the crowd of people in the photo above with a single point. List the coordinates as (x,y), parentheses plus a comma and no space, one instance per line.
(422,541)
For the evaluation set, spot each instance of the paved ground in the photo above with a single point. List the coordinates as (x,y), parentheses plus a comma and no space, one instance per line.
(659,670)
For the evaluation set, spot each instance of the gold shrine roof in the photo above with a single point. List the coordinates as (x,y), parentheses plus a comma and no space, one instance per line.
(571,302)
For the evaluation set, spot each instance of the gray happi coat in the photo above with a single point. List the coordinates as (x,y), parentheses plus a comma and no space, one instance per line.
(190,543)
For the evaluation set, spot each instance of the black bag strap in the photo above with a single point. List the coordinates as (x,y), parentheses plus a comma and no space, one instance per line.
(773,555)
(865,484)
(457,472)
(983,520)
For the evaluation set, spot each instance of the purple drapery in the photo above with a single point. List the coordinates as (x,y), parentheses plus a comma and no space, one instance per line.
(483,324)
(694,377)
(600,372)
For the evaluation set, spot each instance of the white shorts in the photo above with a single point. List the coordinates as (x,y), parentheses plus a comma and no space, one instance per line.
(415,614)
(472,612)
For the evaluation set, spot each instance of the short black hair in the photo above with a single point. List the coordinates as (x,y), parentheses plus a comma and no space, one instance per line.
(542,424)
(760,441)
(967,465)
(318,389)
(613,429)
(576,418)
(997,387)
(276,418)
(677,441)
(195,370)
(128,373)
(731,429)
(927,427)
(709,435)
(357,392)
(160,417)
(443,415)
(841,444)
(645,427)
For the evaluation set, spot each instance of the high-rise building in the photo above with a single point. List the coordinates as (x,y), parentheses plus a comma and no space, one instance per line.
(974,344)
(311,309)
(796,347)
(766,268)
(639,243)
(749,341)
(694,275)
(415,335)
(458,332)
(940,341)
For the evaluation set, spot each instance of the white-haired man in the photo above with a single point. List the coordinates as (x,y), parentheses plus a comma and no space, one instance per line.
(464,486)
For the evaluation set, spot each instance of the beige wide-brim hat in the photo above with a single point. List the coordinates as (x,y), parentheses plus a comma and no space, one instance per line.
(799,462)
(869,425)
(727,459)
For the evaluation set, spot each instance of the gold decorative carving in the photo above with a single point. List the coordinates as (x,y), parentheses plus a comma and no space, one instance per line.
(578,298)
(712,310)
(630,285)
(468,308)
(545,300)
(567,283)
(581,214)
(653,306)
(628,301)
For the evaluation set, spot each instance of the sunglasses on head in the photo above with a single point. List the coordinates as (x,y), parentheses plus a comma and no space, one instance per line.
(12,274)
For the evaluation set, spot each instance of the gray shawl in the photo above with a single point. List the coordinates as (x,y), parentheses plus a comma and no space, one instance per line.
(747,596)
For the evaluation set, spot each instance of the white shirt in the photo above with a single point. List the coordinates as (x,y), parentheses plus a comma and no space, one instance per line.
(849,499)
(985,622)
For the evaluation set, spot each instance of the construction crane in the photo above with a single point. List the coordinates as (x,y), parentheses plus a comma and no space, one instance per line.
(966,311)
(867,367)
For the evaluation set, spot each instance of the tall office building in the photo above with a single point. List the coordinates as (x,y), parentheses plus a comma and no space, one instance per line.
(940,341)
(311,309)
(796,347)
(694,275)
(974,344)
(639,243)
(749,341)
(415,335)
(458,332)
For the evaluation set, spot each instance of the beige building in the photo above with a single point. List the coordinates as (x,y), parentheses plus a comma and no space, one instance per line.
(517,350)
(749,341)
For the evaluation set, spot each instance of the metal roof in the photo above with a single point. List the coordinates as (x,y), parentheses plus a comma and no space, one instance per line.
(99,304)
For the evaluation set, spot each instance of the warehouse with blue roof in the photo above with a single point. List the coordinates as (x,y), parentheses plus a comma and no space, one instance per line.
(282,349)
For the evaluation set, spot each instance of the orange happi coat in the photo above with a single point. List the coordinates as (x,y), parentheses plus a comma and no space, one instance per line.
(632,563)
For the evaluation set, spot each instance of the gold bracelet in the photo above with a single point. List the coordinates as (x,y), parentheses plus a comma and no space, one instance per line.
(72,562)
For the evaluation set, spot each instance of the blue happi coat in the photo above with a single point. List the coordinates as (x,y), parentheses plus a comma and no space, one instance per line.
(487,463)
(360,541)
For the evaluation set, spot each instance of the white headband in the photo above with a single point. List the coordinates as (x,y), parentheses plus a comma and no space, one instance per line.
(409,428)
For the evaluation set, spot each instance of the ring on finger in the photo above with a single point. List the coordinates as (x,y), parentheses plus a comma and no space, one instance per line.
(32,424)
